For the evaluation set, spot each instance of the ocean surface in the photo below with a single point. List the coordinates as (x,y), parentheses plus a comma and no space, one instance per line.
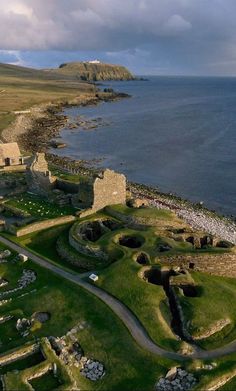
(177,133)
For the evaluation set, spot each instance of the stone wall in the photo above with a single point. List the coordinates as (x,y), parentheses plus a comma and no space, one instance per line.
(19,354)
(19,168)
(218,382)
(69,254)
(41,225)
(110,189)
(86,249)
(218,264)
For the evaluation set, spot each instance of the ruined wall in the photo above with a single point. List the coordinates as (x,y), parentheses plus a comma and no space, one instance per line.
(108,189)
(41,225)
(39,178)
(221,265)
(17,168)
(21,353)
(85,248)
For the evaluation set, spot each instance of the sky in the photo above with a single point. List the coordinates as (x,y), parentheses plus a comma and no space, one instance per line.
(150,37)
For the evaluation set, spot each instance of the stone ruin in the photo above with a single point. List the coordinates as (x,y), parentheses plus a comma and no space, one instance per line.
(39,178)
(70,352)
(108,188)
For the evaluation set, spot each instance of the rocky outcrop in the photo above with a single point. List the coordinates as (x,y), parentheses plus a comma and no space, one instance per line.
(94,72)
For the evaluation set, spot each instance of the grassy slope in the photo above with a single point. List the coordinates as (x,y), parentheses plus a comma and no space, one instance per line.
(217,301)
(121,278)
(22,88)
(106,339)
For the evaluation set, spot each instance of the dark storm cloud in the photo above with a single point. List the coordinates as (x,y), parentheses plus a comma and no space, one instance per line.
(190,35)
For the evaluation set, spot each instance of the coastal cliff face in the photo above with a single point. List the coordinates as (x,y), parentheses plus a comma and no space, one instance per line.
(94,72)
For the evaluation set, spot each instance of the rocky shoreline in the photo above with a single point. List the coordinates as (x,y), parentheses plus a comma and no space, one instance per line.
(196,215)
(36,131)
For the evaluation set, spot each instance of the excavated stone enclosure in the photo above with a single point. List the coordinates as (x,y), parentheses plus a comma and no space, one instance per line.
(94,230)
(190,290)
(153,275)
(131,241)
(163,247)
(142,258)
(216,264)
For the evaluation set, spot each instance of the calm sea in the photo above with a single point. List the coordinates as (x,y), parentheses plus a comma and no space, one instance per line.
(177,133)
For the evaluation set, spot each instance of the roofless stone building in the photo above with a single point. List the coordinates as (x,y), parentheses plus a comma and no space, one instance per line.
(90,194)
(10,156)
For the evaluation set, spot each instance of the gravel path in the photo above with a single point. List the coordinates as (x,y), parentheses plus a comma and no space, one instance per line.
(134,326)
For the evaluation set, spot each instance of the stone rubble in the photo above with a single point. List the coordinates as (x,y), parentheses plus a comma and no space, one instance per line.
(23,325)
(4,319)
(176,379)
(92,370)
(71,353)
(3,282)
(28,277)
(5,254)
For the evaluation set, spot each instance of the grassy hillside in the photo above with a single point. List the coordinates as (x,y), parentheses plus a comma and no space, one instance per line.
(93,72)
(21,88)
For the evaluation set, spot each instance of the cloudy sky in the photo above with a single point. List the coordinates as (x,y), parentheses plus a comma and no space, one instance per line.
(167,37)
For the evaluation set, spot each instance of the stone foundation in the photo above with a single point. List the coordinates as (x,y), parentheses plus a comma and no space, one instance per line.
(41,225)
(221,264)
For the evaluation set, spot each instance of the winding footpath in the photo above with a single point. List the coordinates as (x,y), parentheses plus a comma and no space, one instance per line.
(132,323)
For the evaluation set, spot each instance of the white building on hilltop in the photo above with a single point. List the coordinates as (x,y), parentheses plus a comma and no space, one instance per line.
(94,62)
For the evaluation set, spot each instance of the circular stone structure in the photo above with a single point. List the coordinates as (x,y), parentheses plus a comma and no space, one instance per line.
(131,241)
(153,275)
(142,258)
(93,230)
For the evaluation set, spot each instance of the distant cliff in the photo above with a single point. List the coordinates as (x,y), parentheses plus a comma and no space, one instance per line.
(94,71)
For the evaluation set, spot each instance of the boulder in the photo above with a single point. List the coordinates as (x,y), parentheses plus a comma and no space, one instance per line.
(171,374)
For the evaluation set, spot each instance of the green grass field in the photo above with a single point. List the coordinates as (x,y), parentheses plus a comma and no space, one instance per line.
(22,88)
(122,278)
(217,301)
(105,338)
(36,206)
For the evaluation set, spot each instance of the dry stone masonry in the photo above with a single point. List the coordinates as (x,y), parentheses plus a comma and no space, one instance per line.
(39,178)
(217,264)
(71,354)
(28,277)
(109,188)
